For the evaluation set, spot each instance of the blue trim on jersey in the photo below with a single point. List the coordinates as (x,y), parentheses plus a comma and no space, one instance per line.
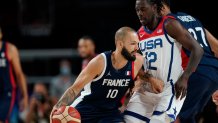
(171,62)
(157,112)
(170,66)
(172,116)
(173,94)
(172,49)
(147,30)
(165,33)
(138,116)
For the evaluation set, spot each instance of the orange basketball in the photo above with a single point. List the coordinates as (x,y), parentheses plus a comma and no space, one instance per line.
(66,114)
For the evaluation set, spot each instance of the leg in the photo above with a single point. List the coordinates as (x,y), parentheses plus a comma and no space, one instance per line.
(5,105)
(158,119)
(168,107)
(141,107)
(88,113)
(115,117)
(197,87)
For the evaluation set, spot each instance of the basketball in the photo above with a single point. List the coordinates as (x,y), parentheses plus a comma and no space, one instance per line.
(66,114)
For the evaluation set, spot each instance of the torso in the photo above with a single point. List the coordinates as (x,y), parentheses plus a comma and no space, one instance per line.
(162,53)
(106,91)
(7,82)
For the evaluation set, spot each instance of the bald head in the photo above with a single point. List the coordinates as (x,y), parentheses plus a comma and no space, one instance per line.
(122,33)
(126,40)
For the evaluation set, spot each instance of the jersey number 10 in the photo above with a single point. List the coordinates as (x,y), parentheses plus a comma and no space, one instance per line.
(112,93)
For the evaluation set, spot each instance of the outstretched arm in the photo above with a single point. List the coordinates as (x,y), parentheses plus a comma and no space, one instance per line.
(213,42)
(94,68)
(178,32)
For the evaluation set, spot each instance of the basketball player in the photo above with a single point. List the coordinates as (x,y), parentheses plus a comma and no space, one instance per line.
(161,41)
(204,81)
(86,49)
(105,80)
(9,63)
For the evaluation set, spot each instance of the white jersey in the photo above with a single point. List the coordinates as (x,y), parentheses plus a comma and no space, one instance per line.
(164,61)
(162,53)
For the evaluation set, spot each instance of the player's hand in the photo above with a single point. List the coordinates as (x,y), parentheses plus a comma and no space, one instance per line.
(24,104)
(52,112)
(156,85)
(122,108)
(181,87)
(215,97)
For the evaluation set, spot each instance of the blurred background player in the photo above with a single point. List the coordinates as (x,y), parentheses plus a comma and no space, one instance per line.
(63,81)
(161,40)
(9,64)
(86,49)
(204,81)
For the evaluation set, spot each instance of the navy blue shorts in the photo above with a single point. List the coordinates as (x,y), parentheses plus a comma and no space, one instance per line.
(90,114)
(6,104)
(201,86)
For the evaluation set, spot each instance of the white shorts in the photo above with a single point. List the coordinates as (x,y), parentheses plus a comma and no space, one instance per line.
(143,107)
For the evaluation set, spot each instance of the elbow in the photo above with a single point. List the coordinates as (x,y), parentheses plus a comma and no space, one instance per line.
(201,51)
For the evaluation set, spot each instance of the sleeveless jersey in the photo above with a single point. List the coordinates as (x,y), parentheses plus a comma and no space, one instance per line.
(195,27)
(162,53)
(106,91)
(7,83)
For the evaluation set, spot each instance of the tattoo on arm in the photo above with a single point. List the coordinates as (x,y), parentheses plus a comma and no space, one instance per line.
(145,76)
(67,98)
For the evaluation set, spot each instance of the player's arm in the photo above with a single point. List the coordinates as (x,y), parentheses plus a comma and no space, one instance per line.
(144,76)
(15,61)
(213,42)
(178,32)
(93,69)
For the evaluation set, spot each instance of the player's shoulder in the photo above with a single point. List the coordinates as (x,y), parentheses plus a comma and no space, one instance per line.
(98,61)
(11,47)
(170,22)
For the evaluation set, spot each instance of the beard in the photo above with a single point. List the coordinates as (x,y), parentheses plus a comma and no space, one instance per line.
(128,55)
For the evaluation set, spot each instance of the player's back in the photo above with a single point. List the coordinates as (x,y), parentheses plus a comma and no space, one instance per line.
(7,83)
(106,91)
(195,27)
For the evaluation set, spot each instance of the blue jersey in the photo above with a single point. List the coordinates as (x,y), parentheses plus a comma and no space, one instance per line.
(195,27)
(106,91)
(7,82)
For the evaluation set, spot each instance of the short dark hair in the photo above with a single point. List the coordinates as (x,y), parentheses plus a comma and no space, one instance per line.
(158,3)
(167,2)
(87,37)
